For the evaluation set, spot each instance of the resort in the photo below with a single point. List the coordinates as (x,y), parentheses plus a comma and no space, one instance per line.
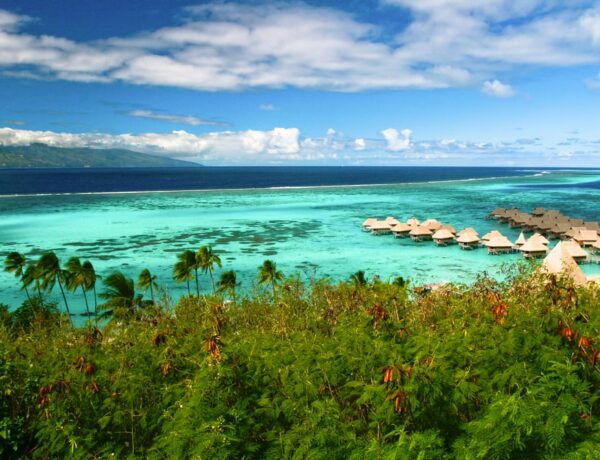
(572,235)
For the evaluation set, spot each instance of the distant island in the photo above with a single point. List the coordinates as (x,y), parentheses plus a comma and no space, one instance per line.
(45,156)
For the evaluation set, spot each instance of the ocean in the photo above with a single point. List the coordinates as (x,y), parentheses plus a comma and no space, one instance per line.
(307,219)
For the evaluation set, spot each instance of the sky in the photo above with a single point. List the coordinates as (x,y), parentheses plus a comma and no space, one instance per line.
(356,82)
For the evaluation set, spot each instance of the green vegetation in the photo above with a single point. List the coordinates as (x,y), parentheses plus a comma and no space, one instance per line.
(356,369)
(44,156)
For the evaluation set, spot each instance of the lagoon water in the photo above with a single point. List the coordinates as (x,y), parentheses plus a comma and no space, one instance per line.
(312,228)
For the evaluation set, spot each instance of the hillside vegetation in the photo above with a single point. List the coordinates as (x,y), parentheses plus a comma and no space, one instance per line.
(357,369)
(44,156)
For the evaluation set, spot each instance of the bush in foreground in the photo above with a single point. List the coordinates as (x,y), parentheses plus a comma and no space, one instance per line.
(348,370)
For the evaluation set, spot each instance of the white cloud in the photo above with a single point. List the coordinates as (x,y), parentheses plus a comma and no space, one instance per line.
(285,145)
(359,144)
(276,144)
(171,118)
(394,141)
(267,107)
(497,88)
(220,46)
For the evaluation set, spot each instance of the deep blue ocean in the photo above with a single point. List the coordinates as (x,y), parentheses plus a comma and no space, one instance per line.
(75,180)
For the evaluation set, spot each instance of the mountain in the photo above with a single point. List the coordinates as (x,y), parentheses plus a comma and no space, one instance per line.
(45,156)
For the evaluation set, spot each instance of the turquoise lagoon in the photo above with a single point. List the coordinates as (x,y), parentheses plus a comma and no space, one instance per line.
(315,232)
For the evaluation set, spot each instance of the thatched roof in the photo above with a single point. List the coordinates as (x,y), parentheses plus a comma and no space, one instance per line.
(592,226)
(532,245)
(538,237)
(560,262)
(574,249)
(369,221)
(401,228)
(521,240)
(561,228)
(498,212)
(521,218)
(499,242)
(449,227)
(546,224)
(576,222)
(586,236)
(596,244)
(380,225)
(491,235)
(443,234)
(392,221)
(432,224)
(468,230)
(574,231)
(538,211)
(420,231)
(468,237)
(413,221)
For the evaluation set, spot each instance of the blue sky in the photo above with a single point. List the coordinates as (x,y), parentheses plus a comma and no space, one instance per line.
(388,82)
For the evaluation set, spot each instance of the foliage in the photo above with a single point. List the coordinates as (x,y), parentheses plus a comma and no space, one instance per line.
(492,370)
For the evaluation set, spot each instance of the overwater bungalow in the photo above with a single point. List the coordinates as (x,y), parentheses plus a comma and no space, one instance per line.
(499,245)
(574,231)
(576,222)
(539,237)
(538,212)
(534,248)
(509,215)
(520,219)
(443,237)
(532,223)
(420,233)
(468,240)
(392,221)
(575,251)
(520,240)
(586,237)
(413,222)
(450,228)
(558,230)
(468,230)
(401,230)
(592,225)
(366,225)
(560,262)
(432,224)
(498,212)
(491,235)
(546,225)
(381,228)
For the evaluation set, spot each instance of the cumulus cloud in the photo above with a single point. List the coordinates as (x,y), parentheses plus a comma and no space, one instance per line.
(222,46)
(497,88)
(359,144)
(394,140)
(286,145)
(276,144)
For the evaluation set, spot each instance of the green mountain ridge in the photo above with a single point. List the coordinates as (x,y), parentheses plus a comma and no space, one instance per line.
(45,156)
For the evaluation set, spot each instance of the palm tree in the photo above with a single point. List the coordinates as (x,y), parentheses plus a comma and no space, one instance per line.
(90,281)
(17,263)
(358,279)
(51,272)
(184,267)
(228,282)
(267,273)
(76,278)
(147,281)
(120,296)
(31,274)
(207,260)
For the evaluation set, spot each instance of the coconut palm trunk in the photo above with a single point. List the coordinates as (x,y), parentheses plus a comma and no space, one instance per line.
(87,305)
(197,284)
(62,291)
